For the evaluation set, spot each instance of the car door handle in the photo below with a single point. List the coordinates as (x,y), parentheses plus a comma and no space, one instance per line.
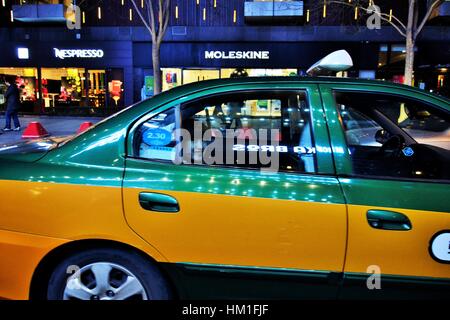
(388,220)
(158,202)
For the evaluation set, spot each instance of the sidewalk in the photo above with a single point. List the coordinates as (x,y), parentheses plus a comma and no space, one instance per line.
(56,126)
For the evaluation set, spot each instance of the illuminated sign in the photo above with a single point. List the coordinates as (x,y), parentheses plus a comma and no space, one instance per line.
(78,53)
(23,53)
(238,55)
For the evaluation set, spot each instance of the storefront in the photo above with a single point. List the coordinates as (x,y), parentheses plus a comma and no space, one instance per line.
(187,62)
(173,77)
(70,78)
(433,68)
(26,80)
(99,78)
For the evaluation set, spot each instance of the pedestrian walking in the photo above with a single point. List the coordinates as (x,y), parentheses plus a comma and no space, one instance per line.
(12,96)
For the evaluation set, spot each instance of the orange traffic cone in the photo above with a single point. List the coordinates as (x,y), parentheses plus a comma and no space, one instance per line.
(35,130)
(84,126)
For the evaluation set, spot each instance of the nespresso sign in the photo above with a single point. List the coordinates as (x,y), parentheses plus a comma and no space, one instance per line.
(237,55)
(78,53)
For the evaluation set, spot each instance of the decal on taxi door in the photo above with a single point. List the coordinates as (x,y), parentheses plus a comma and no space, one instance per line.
(440,246)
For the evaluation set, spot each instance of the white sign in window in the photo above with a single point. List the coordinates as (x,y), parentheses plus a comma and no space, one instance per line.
(23,53)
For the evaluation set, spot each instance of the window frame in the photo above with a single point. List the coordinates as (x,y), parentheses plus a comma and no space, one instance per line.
(323,162)
(343,162)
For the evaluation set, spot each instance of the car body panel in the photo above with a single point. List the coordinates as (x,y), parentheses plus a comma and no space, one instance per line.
(74,192)
(403,253)
(225,202)
(21,253)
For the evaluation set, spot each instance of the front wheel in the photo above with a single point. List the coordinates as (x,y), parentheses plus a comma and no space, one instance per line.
(107,274)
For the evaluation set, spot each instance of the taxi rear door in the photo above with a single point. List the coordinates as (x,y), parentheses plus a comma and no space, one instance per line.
(399,238)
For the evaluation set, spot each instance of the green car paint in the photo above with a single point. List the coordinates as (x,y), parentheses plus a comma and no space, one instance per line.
(414,195)
(233,182)
(99,157)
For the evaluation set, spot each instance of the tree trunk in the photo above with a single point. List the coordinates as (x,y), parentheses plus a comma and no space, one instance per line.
(410,40)
(157,84)
(409,61)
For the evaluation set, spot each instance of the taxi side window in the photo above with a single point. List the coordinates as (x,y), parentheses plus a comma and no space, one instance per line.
(155,138)
(395,136)
(244,130)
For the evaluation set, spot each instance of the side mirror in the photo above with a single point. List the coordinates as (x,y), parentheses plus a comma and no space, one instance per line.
(381,136)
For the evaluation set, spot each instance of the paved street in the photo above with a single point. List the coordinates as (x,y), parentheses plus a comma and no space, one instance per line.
(56,126)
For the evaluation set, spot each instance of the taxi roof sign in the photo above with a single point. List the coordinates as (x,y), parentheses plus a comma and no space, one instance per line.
(336,61)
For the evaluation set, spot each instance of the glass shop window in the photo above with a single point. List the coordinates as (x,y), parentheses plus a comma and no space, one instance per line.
(26,81)
(97,88)
(115,88)
(63,87)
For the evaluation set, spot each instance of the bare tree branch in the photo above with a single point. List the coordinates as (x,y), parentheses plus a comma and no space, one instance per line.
(433,6)
(388,16)
(149,12)
(416,15)
(165,13)
(384,16)
(160,20)
(144,21)
(157,22)
(153,24)
(410,30)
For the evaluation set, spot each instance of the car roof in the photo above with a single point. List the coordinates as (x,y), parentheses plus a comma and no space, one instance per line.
(203,85)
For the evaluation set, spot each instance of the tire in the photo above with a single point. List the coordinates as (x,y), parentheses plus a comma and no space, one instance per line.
(107,274)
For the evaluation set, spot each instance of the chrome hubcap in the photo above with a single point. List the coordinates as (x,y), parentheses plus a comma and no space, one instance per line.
(104,281)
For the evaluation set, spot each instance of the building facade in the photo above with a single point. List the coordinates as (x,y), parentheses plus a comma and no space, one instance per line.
(107,63)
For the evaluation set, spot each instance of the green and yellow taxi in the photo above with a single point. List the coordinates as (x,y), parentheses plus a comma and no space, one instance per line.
(296,187)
